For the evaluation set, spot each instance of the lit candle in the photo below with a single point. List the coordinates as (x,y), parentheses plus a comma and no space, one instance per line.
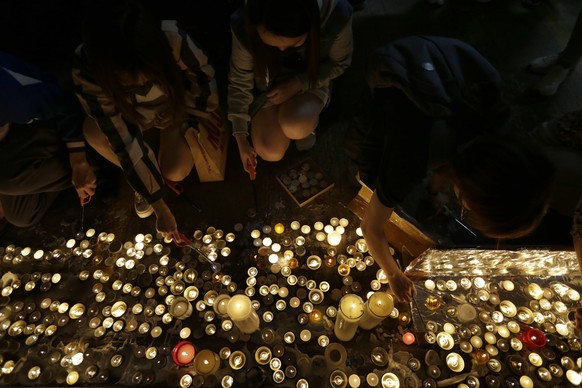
(408,338)
(206,362)
(183,353)
(334,238)
(390,380)
(466,313)
(181,308)
(455,362)
(240,310)
(263,355)
(351,309)
(377,308)
(220,304)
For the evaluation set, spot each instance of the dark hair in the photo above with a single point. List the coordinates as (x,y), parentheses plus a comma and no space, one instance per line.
(286,18)
(504,183)
(122,37)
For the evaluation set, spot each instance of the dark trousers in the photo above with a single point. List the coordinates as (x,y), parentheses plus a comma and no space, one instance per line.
(33,171)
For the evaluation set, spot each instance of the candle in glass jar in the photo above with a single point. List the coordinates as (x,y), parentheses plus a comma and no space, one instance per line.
(351,309)
(377,308)
(240,310)
(206,362)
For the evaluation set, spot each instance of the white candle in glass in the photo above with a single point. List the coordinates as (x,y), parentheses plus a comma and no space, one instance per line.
(377,308)
(240,310)
(351,309)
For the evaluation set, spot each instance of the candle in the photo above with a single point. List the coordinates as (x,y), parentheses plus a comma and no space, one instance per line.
(334,238)
(390,380)
(445,340)
(206,362)
(335,354)
(408,338)
(354,381)
(455,362)
(466,313)
(240,310)
(338,379)
(181,308)
(351,309)
(183,353)
(377,308)
(263,355)
(237,360)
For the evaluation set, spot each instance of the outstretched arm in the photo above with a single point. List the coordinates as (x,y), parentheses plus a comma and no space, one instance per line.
(373,229)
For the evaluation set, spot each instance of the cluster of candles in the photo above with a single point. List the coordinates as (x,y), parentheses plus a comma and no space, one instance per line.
(146,290)
(480,322)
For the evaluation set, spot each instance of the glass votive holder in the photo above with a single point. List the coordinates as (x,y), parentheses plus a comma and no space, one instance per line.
(263,355)
(237,360)
(338,379)
(268,316)
(289,337)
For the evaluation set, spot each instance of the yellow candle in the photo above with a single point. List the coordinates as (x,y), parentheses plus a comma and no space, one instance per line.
(240,310)
(377,308)
(206,362)
(351,309)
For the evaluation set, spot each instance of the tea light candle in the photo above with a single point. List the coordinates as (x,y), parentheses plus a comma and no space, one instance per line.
(237,360)
(445,340)
(372,379)
(338,379)
(221,304)
(315,316)
(240,310)
(354,381)
(466,313)
(574,377)
(408,338)
(183,353)
(263,355)
(181,308)
(334,238)
(351,309)
(455,362)
(377,308)
(206,362)
(305,335)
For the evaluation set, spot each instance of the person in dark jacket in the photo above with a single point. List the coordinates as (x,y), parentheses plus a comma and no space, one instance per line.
(438,111)
(40,129)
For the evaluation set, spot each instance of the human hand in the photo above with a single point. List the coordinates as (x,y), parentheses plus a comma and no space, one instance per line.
(284,91)
(165,221)
(83,177)
(402,287)
(248,156)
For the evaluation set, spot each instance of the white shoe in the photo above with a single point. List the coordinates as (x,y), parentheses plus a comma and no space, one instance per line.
(142,208)
(306,143)
(550,83)
(541,65)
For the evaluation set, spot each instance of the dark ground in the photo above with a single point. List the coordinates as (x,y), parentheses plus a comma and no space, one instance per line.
(508,33)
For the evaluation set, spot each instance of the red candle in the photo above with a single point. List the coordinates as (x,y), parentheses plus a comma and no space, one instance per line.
(183,353)
(533,338)
(408,338)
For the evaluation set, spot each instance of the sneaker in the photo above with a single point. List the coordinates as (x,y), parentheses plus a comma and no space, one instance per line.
(541,65)
(142,208)
(550,83)
(306,143)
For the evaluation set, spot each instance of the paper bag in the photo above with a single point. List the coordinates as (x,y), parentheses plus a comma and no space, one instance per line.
(209,144)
